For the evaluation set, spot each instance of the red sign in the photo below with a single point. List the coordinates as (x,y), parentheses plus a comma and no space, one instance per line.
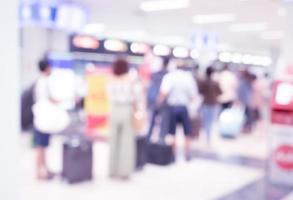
(284,157)
(282,97)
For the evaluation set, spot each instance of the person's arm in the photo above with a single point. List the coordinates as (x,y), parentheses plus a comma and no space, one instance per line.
(194,89)
(218,89)
(162,97)
(164,90)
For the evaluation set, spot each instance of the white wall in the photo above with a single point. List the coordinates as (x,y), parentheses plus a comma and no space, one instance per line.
(35,42)
(9,99)
(286,58)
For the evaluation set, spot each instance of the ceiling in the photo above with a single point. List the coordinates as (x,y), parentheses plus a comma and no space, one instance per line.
(124,19)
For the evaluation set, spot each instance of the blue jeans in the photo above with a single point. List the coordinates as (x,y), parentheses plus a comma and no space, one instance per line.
(41,139)
(179,114)
(163,113)
(209,114)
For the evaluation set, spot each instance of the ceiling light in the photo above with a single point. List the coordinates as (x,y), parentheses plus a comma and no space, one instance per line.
(261,60)
(236,58)
(272,35)
(225,57)
(266,61)
(194,54)
(259,26)
(157,5)
(115,46)
(247,59)
(214,18)
(161,50)
(180,52)
(93,29)
(86,42)
(139,48)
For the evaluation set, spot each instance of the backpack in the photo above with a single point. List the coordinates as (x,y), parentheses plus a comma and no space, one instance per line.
(27,102)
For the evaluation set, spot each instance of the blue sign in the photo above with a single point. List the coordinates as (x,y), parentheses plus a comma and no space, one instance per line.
(64,16)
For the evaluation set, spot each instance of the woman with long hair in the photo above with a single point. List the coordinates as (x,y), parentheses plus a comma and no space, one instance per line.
(122,136)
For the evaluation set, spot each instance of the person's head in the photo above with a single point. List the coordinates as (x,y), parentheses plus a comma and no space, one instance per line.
(165,63)
(209,72)
(225,67)
(44,66)
(181,64)
(120,67)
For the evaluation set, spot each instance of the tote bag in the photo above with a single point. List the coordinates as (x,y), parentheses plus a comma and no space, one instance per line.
(50,118)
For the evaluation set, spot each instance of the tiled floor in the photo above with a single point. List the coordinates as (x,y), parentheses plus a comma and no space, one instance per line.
(199,178)
(289,197)
(228,169)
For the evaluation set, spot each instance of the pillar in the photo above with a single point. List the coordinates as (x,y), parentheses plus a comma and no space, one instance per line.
(9,98)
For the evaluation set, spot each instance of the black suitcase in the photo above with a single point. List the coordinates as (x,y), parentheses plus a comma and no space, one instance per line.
(141,152)
(77,159)
(160,154)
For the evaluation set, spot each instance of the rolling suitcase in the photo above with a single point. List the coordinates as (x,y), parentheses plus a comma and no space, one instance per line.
(160,154)
(142,152)
(77,160)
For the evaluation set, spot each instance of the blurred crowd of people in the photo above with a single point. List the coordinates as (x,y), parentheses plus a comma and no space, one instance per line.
(183,96)
(214,90)
(192,97)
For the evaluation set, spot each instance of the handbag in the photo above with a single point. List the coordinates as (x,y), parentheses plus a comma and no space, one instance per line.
(50,118)
(139,121)
(231,121)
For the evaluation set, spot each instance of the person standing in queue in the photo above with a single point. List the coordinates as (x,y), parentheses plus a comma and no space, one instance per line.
(245,94)
(155,109)
(41,139)
(179,89)
(122,136)
(210,91)
(229,85)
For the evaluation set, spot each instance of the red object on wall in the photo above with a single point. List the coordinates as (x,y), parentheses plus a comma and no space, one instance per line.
(94,121)
(282,103)
(284,157)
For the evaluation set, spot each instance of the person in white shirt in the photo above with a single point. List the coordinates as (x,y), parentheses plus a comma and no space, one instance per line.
(41,139)
(179,89)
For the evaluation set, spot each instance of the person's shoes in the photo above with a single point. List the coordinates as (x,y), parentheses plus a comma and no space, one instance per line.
(46,177)
(188,157)
(124,178)
(50,176)
(113,177)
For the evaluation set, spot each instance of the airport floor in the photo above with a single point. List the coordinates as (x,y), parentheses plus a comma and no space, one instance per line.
(225,170)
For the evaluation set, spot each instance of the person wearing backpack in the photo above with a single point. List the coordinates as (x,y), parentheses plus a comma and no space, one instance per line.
(41,139)
(27,102)
(210,91)
(152,98)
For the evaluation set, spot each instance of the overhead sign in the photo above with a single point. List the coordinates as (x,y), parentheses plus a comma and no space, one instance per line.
(203,39)
(68,16)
